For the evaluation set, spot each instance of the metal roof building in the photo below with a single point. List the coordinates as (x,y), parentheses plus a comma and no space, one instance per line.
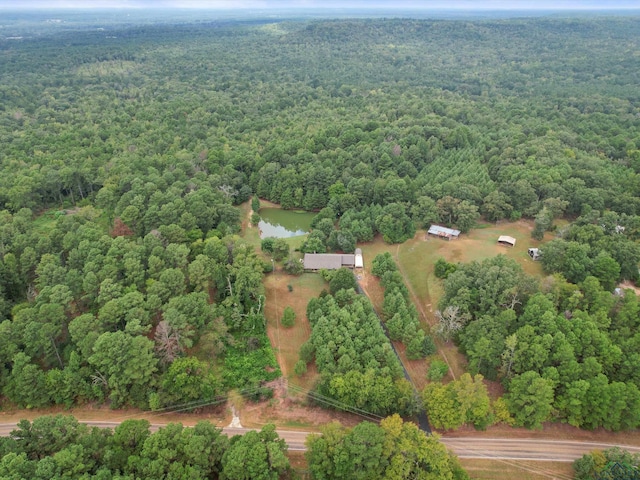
(507,240)
(328,261)
(359,260)
(443,232)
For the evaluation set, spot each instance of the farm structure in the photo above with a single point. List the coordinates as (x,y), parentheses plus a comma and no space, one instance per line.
(534,253)
(359,261)
(328,261)
(443,232)
(507,240)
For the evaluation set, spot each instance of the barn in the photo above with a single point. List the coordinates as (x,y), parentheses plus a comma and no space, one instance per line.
(443,232)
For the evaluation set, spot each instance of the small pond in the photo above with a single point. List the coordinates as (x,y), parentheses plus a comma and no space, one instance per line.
(275,222)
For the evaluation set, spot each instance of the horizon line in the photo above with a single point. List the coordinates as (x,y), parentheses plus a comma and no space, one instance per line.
(316,7)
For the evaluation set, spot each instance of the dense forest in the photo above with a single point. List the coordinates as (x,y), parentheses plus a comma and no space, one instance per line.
(564,351)
(57,447)
(60,447)
(126,150)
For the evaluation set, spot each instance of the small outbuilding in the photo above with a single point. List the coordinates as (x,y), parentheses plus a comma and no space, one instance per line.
(443,232)
(507,240)
(359,261)
(534,253)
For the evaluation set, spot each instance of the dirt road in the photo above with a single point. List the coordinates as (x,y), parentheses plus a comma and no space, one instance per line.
(523,449)
(467,447)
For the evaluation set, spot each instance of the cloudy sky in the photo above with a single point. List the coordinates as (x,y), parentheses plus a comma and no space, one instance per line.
(226,4)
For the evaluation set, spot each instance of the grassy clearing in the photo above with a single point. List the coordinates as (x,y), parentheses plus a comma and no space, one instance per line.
(295,243)
(522,470)
(249,233)
(45,223)
(287,341)
(418,255)
(416,258)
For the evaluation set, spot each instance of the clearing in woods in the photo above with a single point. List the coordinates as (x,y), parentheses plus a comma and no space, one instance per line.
(287,341)
(416,258)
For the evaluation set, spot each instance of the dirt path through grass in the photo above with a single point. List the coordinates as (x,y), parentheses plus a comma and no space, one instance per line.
(425,318)
(284,290)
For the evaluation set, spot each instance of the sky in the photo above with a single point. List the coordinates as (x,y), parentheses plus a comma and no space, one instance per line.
(387,4)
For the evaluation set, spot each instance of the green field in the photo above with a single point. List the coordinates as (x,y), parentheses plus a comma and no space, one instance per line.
(287,341)
(416,257)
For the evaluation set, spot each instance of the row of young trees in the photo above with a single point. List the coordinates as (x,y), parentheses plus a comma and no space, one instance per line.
(57,447)
(400,314)
(358,367)
(563,351)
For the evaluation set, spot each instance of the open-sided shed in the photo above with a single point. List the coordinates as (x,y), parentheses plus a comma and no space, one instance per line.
(507,240)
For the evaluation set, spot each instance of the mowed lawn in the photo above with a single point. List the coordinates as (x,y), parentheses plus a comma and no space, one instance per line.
(287,341)
(418,256)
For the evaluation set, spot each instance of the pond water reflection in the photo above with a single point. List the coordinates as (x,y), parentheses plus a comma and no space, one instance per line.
(275,222)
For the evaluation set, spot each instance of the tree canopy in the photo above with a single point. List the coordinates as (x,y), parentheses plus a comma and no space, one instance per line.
(60,447)
(126,149)
(392,450)
(564,351)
